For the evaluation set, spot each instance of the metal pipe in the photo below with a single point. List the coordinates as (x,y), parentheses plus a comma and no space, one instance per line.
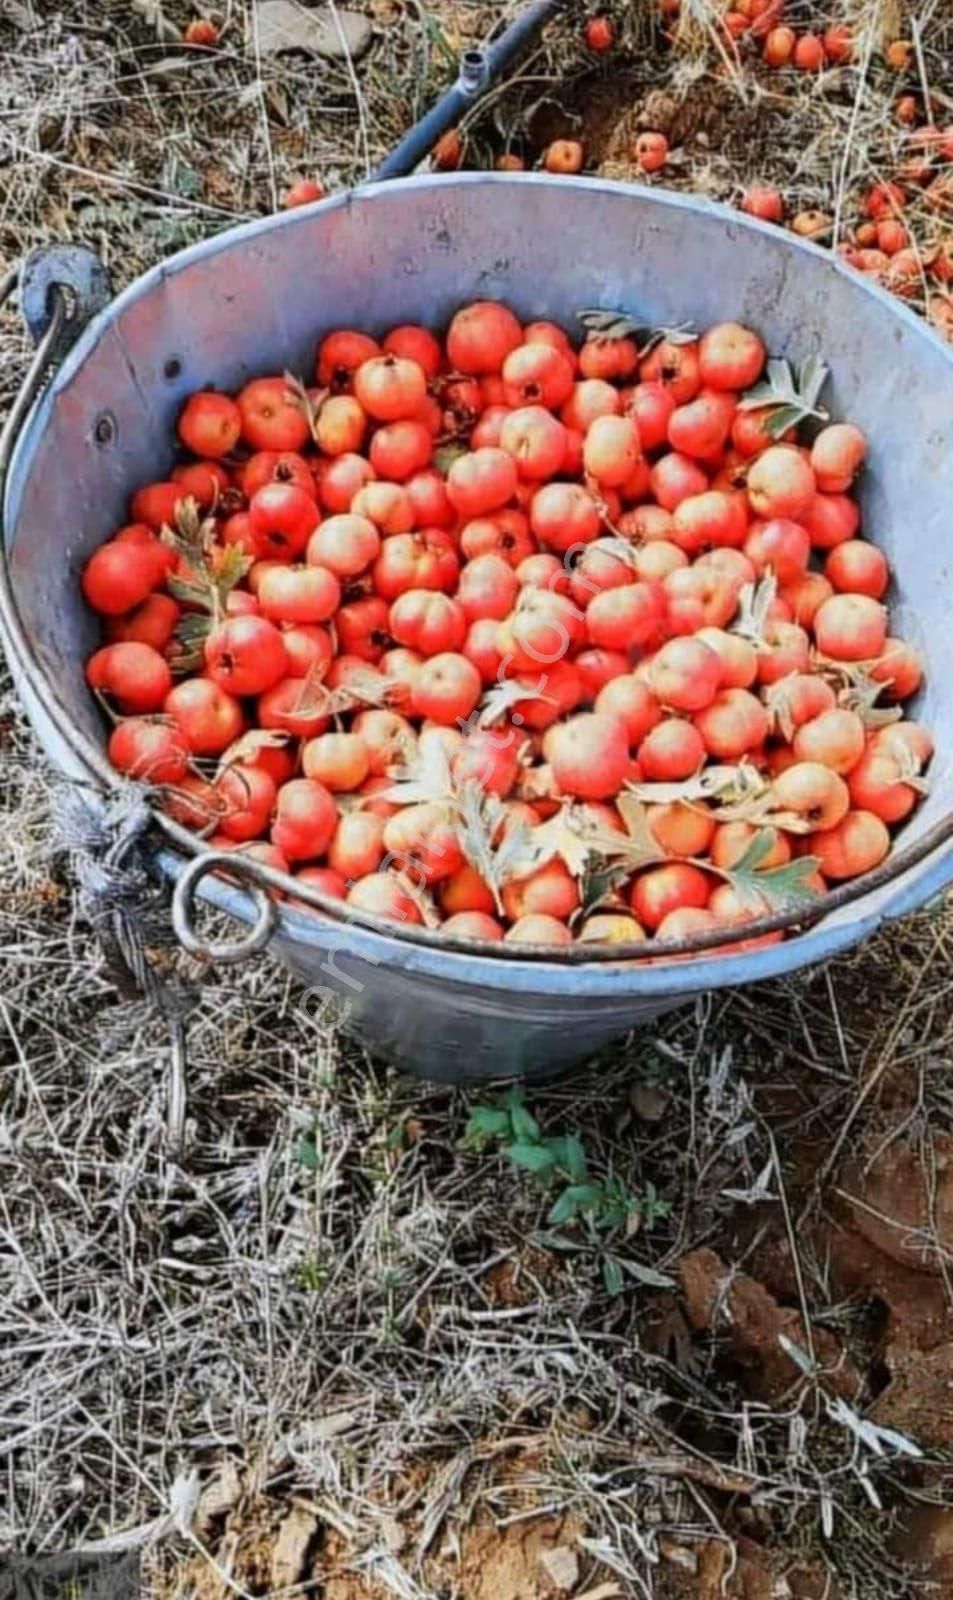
(478,70)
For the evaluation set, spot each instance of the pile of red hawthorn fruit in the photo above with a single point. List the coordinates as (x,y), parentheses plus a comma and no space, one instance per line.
(514,638)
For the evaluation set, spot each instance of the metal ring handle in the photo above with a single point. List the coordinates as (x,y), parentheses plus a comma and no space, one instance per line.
(21,652)
(36,373)
(61,288)
(183,909)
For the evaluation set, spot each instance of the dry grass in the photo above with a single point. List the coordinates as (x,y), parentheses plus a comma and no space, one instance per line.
(325,1290)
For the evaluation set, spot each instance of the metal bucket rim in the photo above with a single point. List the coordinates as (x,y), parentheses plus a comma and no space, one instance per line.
(531,969)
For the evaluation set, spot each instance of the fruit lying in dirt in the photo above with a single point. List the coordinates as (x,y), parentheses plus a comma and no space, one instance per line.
(650,151)
(809,53)
(899,54)
(448,151)
(763,202)
(201,31)
(564,155)
(528,641)
(303,193)
(779,46)
(599,34)
(838,42)
(811,224)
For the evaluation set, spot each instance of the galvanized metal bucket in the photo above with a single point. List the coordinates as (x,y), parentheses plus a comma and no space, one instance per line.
(257,299)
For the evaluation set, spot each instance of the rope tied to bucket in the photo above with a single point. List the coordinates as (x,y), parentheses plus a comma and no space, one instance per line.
(122,899)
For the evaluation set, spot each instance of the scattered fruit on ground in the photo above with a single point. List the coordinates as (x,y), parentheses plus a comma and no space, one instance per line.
(202,30)
(303,193)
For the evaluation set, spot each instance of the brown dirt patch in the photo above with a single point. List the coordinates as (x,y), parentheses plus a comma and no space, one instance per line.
(508,1564)
(918,1401)
(752,1323)
(901,1200)
(926,1540)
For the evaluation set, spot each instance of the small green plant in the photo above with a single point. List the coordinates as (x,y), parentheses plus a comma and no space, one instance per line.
(308,1153)
(594,1207)
(312,1274)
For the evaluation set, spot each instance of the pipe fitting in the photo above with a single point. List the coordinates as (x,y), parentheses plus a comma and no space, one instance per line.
(474,72)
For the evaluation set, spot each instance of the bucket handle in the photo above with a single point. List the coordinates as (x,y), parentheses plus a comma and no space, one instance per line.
(228,952)
(67,285)
(61,288)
